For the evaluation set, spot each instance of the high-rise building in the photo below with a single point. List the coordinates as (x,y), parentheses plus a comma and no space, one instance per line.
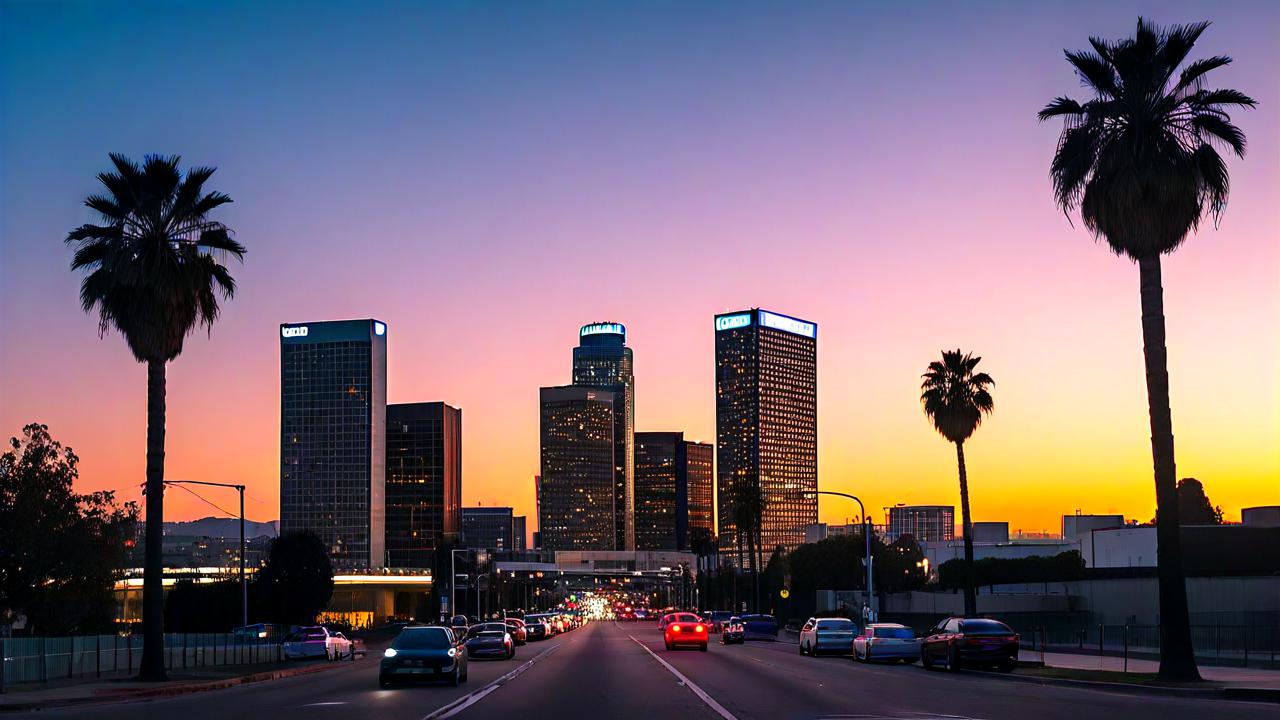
(333,409)
(927,523)
(766,426)
(602,360)
(519,539)
(424,481)
(487,528)
(673,490)
(576,507)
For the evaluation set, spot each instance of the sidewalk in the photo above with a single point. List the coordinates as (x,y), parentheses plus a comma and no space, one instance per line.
(32,696)
(1229,676)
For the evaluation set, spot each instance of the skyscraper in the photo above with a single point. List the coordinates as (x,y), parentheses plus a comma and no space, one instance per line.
(487,528)
(424,481)
(333,409)
(927,523)
(766,425)
(519,538)
(576,507)
(673,490)
(602,360)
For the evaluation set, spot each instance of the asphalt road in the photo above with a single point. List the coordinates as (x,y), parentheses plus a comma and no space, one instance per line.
(622,671)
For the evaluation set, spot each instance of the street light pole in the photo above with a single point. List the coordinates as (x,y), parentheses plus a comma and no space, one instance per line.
(866,533)
(244,584)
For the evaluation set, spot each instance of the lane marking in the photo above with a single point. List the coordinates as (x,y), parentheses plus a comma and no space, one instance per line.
(702,695)
(325,704)
(472,698)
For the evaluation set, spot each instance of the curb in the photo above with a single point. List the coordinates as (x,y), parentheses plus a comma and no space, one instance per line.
(172,690)
(1236,693)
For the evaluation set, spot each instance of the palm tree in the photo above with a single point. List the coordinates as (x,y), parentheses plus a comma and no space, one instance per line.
(748,507)
(153,272)
(955,398)
(1140,161)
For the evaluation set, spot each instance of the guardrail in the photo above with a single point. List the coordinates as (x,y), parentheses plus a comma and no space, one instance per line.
(46,659)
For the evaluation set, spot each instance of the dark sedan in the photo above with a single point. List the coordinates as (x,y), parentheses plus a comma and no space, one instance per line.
(535,628)
(956,641)
(424,653)
(732,632)
(490,640)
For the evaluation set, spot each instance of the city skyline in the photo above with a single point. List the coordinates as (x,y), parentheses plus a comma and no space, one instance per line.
(650,173)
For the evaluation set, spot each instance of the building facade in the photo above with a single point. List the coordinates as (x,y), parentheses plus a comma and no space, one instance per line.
(673,490)
(488,528)
(766,427)
(519,537)
(576,496)
(333,408)
(602,360)
(424,481)
(927,523)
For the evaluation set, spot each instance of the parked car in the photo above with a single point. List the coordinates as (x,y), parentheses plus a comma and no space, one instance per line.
(536,628)
(684,629)
(732,631)
(490,640)
(827,635)
(515,626)
(886,641)
(759,627)
(424,653)
(256,632)
(970,641)
(316,642)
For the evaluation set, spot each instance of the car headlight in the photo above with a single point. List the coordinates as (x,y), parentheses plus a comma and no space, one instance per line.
(389,652)
(453,652)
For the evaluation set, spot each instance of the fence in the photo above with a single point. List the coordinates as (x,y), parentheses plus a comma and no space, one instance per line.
(45,659)
(1223,644)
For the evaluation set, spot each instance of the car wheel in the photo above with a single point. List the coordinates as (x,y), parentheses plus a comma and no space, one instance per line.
(926,659)
(1008,666)
(953,659)
(802,648)
(384,681)
(454,679)
(668,644)
(703,647)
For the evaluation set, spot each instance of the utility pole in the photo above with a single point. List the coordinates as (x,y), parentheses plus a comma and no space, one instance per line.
(866,535)
(244,583)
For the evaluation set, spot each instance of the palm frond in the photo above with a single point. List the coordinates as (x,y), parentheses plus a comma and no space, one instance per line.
(1223,130)
(1193,73)
(1094,72)
(1061,105)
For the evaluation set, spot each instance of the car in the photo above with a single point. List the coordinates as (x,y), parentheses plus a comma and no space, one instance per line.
(827,635)
(716,619)
(535,628)
(958,641)
(515,626)
(316,642)
(886,641)
(732,631)
(684,629)
(490,640)
(430,652)
(759,627)
(459,625)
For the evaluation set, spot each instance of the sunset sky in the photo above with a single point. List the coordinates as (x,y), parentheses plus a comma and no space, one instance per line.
(487,179)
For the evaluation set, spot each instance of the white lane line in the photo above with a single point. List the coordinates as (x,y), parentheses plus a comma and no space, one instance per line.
(325,704)
(472,698)
(702,695)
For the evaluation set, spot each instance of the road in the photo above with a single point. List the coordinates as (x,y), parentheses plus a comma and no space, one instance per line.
(609,670)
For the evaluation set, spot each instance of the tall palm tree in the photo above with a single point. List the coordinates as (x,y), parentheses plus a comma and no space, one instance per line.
(153,271)
(1140,161)
(748,506)
(955,398)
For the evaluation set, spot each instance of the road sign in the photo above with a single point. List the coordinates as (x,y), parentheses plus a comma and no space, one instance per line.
(784,593)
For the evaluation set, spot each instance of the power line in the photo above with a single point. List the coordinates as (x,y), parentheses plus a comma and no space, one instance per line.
(224,511)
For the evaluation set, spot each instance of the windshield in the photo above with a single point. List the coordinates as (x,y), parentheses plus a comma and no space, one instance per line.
(686,617)
(984,627)
(838,625)
(431,638)
(890,632)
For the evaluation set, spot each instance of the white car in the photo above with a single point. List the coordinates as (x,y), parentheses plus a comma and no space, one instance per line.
(827,635)
(886,641)
(315,642)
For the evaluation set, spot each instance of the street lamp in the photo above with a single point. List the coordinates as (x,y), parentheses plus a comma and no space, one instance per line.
(866,534)
(244,585)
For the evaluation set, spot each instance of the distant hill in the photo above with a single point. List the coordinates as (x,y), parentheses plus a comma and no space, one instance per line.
(221,527)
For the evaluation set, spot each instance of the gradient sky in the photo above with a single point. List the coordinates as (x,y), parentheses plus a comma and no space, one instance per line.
(486,178)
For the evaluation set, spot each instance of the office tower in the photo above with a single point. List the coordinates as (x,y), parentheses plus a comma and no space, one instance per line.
(603,361)
(673,490)
(333,409)
(487,528)
(927,523)
(518,536)
(424,481)
(766,426)
(577,492)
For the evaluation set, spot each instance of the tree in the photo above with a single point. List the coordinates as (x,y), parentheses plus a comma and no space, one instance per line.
(1194,507)
(1140,161)
(153,272)
(955,398)
(998,571)
(748,509)
(297,579)
(59,550)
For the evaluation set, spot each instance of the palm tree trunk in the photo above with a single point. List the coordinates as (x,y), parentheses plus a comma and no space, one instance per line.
(152,667)
(966,524)
(1177,657)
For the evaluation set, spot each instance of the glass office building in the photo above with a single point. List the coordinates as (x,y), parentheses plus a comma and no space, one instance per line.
(424,481)
(333,408)
(927,523)
(766,425)
(673,490)
(602,360)
(576,491)
(488,528)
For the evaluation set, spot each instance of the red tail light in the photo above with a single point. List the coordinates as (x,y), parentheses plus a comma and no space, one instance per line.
(699,629)
(675,628)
